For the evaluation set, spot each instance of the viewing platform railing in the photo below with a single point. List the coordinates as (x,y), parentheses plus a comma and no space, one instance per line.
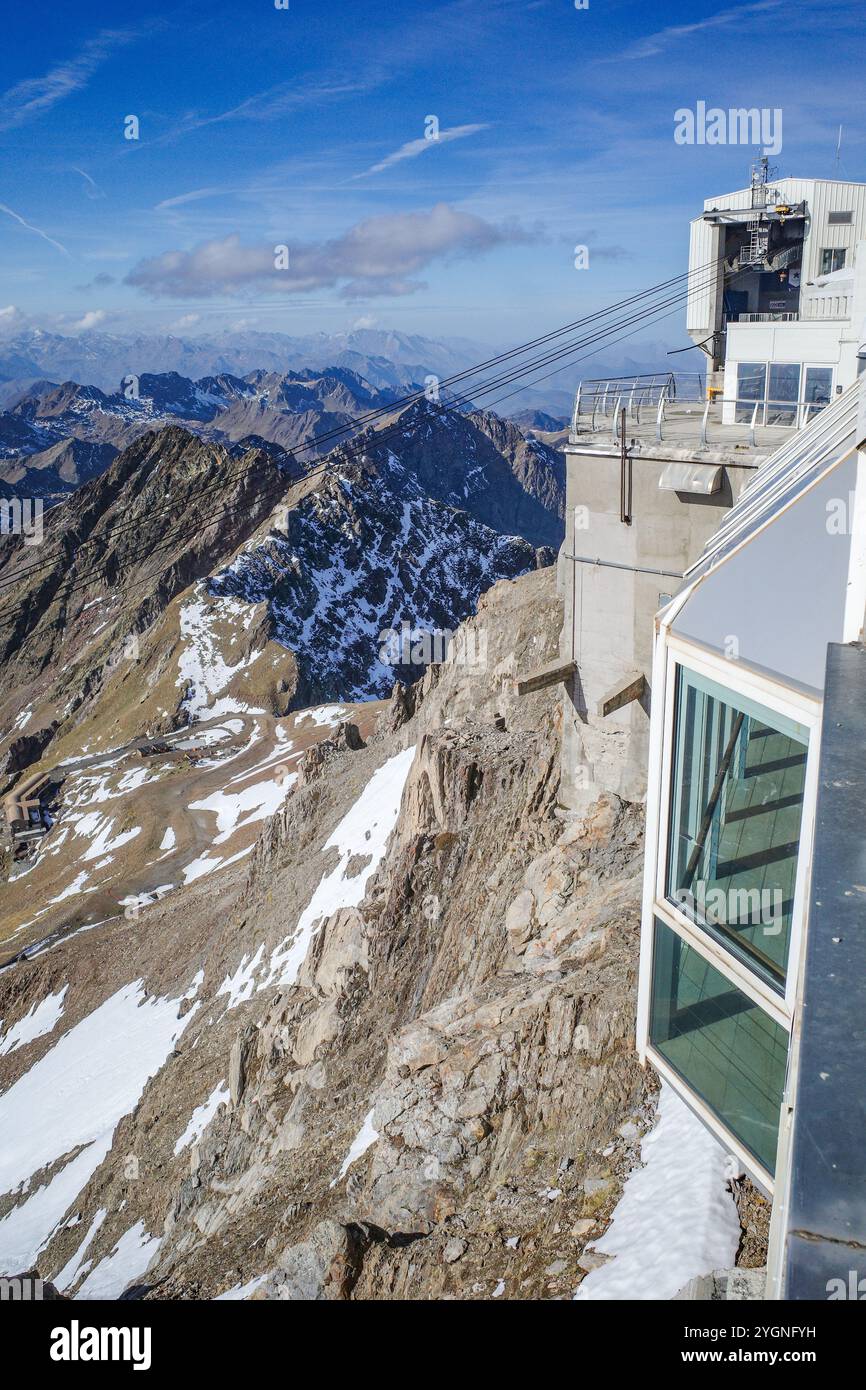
(675,408)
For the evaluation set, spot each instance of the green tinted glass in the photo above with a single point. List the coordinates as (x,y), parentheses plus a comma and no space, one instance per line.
(723,1045)
(736,805)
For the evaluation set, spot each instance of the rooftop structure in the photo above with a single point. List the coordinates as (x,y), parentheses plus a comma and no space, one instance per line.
(654,462)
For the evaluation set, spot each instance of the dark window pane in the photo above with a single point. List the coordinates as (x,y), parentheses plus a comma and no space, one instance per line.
(728,1050)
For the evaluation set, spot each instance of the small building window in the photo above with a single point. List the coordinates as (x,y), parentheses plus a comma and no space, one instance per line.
(736,806)
(751,388)
(840,219)
(818,388)
(832,258)
(725,1047)
(783,393)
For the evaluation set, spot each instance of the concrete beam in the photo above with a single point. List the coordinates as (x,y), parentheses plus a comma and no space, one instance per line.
(551,674)
(628,688)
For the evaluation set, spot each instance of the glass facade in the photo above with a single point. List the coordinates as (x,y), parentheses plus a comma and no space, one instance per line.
(751,388)
(725,1047)
(736,808)
(783,393)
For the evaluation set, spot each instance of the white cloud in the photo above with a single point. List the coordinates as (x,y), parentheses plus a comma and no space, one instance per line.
(11,318)
(92,319)
(185,321)
(413,148)
(380,255)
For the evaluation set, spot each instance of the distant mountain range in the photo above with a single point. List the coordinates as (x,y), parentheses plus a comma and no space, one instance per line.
(55,438)
(385,358)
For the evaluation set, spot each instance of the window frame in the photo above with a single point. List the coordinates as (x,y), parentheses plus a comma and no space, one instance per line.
(792,705)
(695,1100)
(832,252)
(799,406)
(671,652)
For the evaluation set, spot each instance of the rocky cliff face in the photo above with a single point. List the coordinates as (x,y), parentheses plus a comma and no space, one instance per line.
(396,1054)
(185,560)
(56,437)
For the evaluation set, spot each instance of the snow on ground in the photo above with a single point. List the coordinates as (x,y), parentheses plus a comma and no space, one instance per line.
(169,839)
(205,865)
(201,666)
(126,1263)
(363,831)
(324,714)
(239,986)
(258,801)
(98,828)
(39,1021)
(70,891)
(362,1141)
(201,1117)
(241,1291)
(135,901)
(675,1219)
(74,1096)
(21,720)
(77,1264)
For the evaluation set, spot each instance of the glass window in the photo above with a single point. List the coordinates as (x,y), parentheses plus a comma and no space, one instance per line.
(783,386)
(818,388)
(832,258)
(723,1045)
(736,806)
(751,385)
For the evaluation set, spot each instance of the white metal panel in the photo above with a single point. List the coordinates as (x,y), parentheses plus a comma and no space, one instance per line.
(701,307)
(775,603)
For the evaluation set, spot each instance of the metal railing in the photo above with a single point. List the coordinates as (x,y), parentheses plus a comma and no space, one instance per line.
(612,410)
(777,316)
(603,398)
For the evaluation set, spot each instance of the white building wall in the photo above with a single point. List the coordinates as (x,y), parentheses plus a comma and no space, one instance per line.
(704,285)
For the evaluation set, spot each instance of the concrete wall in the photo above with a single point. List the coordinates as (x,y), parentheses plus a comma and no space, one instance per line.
(609,611)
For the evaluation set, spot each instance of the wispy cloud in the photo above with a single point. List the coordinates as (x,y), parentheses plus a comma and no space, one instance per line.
(413,148)
(93,190)
(35,95)
(378,256)
(653,44)
(37,231)
(197,195)
(275,102)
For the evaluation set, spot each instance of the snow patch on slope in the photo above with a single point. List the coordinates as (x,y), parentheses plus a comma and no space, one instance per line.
(675,1219)
(72,1099)
(202,669)
(364,831)
(39,1021)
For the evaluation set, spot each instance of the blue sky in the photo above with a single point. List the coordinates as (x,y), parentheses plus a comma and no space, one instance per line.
(262,127)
